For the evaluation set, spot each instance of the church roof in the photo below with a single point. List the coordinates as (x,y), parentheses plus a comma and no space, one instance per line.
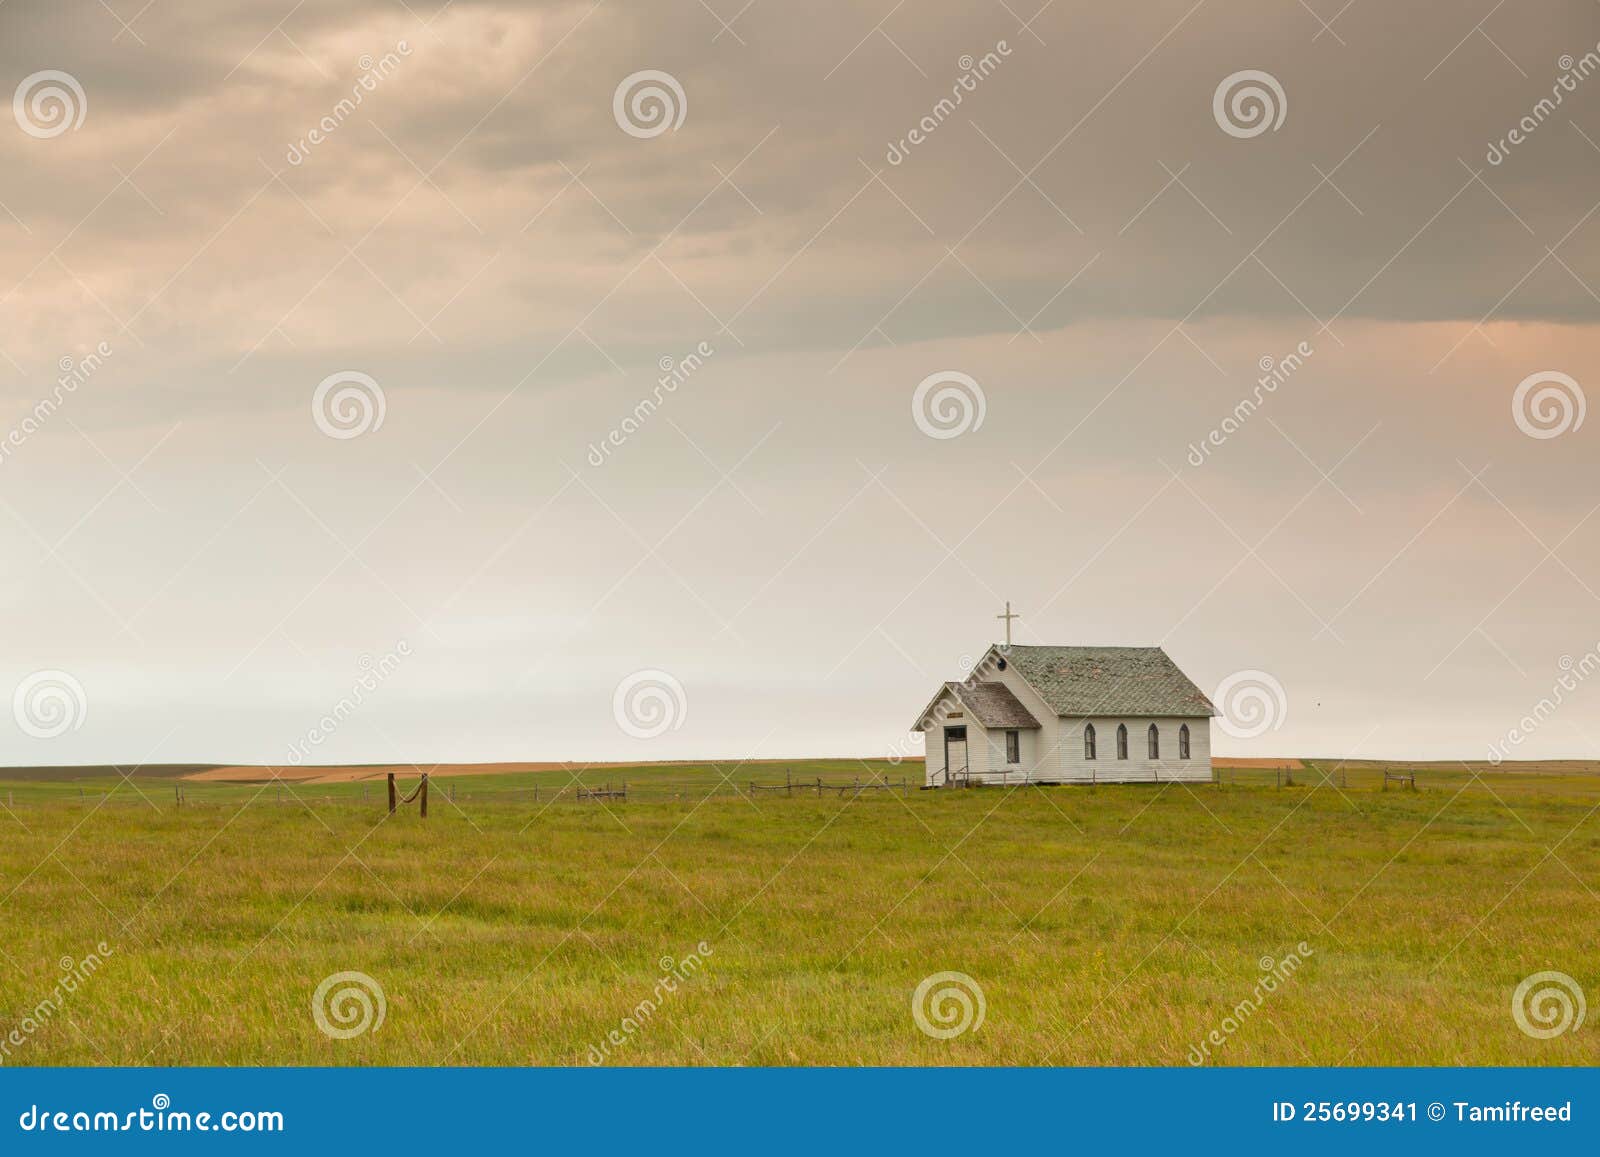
(1082,681)
(993,705)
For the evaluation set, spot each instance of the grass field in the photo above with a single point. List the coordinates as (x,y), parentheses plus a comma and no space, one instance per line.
(1104,925)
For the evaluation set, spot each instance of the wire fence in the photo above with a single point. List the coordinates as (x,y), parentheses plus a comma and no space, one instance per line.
(373,794)
(166,794)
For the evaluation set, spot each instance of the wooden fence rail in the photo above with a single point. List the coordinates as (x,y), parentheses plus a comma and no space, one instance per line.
(818,786)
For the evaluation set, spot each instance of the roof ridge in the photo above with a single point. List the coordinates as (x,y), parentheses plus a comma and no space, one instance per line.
(1081,646)
(1076,680)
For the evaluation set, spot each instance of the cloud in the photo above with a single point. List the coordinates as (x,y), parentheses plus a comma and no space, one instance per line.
(1078,233)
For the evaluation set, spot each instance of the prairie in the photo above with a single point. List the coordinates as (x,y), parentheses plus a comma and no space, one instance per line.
(1102,925)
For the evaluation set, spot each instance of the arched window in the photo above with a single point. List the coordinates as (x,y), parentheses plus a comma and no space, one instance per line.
(1122,741)
(1088,741)
(1155,742)
(1183,742)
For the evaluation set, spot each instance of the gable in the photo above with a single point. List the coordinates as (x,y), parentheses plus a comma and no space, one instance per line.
(994,705)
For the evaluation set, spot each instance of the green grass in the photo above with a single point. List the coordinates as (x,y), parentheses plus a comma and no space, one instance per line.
(1105,925)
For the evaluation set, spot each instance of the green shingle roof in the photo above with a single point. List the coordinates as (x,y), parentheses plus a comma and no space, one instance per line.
(993,705)
(1083,681)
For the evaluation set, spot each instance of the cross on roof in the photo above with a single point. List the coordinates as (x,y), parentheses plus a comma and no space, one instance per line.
(1008,616)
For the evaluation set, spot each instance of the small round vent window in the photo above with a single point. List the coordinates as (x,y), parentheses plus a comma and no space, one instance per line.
(1002,664)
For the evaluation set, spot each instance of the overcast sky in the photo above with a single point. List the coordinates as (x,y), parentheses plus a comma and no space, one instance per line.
(522,562)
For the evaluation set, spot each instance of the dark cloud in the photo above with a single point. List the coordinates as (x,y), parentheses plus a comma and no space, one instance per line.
(1079,234)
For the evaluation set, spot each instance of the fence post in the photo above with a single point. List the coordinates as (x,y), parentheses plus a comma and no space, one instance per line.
(425,795)
(391,793)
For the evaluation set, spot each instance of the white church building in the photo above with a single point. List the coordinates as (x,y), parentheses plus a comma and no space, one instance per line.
(1068,715)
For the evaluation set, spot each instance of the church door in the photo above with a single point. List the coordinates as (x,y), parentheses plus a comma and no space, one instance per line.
(955,752)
